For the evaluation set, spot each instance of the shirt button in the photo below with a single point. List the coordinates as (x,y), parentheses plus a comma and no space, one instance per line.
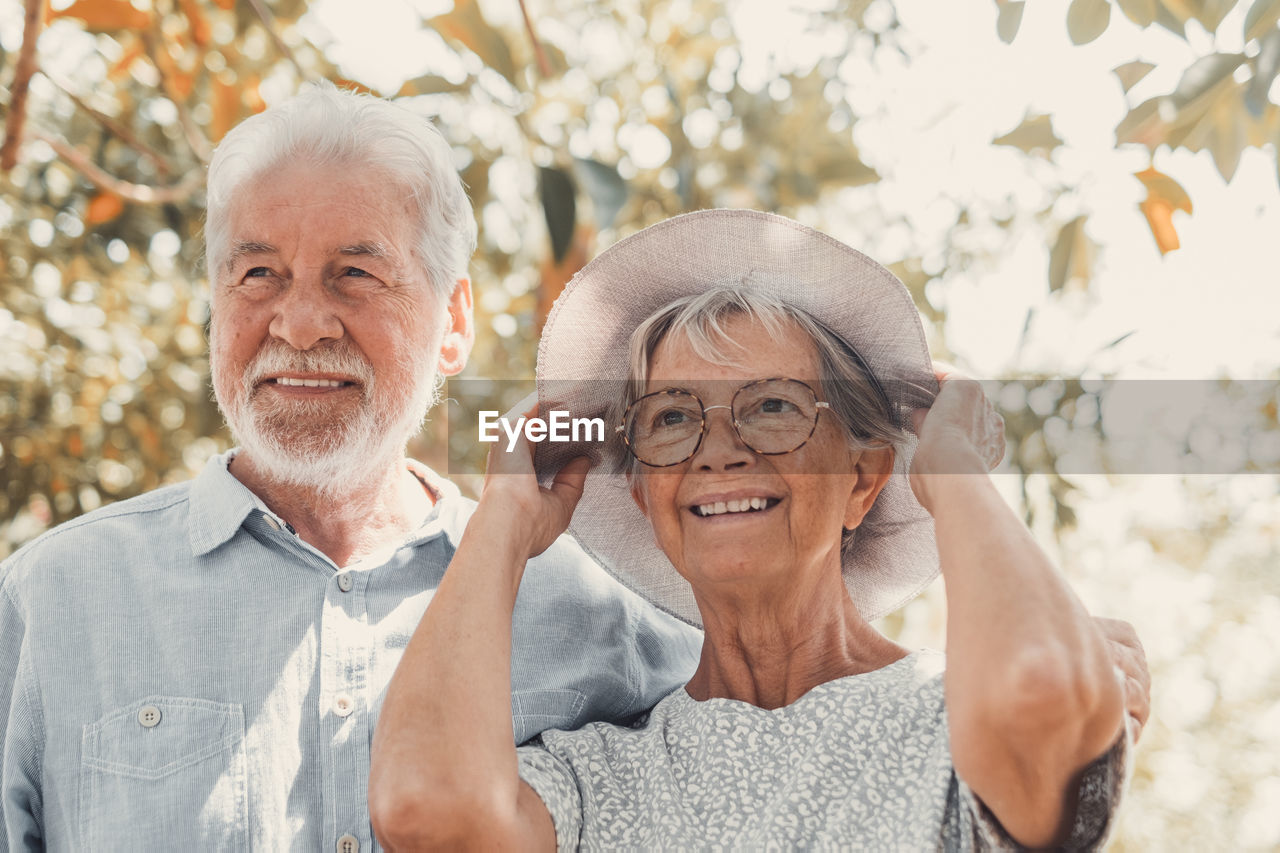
(348,844)
(271,522)
(149,716)
(344,705)
(344,582)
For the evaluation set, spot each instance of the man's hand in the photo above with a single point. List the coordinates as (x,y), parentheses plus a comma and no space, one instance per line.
(1131,663)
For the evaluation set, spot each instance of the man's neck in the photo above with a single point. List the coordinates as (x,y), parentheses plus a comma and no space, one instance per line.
(381,510)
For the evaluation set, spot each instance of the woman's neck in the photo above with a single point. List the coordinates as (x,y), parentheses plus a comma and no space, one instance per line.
(772,649)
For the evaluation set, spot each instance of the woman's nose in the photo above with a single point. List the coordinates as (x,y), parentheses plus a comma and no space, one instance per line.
(721,448)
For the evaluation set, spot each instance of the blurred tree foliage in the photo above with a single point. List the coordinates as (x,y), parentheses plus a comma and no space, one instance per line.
(573,124)
(109,123)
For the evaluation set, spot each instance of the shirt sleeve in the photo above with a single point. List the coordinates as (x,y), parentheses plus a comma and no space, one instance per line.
(20,733)
(554,781)
(665,654)
(1097,799)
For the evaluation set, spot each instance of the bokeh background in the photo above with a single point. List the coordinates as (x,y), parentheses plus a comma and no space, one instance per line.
(1078,195)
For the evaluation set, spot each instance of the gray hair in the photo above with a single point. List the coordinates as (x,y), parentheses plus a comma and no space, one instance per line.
(857,399)
(325,126)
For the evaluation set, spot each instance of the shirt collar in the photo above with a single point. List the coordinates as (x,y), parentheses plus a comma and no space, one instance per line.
(220,503)
(445,514)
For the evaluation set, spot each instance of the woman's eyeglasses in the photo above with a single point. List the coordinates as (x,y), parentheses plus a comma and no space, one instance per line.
(770,416)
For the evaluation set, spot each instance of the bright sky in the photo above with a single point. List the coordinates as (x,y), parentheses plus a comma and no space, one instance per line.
(1208,309)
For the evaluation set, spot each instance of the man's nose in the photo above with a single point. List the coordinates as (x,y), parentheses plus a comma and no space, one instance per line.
(305,314)
(722,448)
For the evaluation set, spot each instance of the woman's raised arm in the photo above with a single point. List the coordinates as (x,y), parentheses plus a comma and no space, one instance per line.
(444,767)
(1032,696)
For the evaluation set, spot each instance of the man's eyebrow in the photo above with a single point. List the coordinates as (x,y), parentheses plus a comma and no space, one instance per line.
(242,248)
(371,250)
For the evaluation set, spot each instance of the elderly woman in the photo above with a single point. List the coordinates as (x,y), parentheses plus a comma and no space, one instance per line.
(787,473)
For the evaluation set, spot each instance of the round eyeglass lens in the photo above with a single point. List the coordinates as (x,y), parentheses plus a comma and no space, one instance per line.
(664,428)
(776,415)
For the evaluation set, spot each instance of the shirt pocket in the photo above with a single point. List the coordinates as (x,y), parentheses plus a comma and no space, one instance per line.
(165,773)
(534,711)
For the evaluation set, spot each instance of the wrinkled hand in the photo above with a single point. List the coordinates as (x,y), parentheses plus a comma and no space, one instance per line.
(511,487)
(960,433)
(1131,662)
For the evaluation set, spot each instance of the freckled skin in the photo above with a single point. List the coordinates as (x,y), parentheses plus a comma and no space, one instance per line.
(801,534)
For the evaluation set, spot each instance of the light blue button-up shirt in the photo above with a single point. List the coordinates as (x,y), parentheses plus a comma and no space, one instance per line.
(180,671)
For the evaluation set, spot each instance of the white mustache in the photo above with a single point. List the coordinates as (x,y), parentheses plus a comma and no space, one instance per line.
(276,357)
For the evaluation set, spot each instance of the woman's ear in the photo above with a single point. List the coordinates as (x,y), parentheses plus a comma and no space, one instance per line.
(637,494)
(874,467)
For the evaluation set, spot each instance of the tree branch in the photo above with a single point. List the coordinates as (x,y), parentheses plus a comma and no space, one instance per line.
(31,24)
(269,22)
(152,41)
(122,132)
(544,65)
(138,193)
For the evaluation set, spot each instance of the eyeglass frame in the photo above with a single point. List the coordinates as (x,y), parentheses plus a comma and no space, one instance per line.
(819,405)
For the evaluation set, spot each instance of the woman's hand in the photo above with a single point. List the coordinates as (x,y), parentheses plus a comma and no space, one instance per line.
(1131,666)
(961,433)
(537,515)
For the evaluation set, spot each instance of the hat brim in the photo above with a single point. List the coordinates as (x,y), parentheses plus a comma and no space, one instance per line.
(582,369)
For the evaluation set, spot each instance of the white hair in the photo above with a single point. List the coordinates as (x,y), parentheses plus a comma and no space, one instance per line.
(325,126)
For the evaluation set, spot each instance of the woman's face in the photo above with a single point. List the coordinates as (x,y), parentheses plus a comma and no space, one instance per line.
(809,495)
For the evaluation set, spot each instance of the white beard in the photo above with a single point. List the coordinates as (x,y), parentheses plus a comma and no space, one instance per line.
(305,443)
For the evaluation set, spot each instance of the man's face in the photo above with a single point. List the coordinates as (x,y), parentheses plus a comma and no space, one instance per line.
(326,334)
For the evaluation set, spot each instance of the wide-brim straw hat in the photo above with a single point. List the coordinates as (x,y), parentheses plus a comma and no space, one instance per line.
(583,368)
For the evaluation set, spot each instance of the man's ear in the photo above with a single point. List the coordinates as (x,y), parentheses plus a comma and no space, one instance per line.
(459,331)
(874,468)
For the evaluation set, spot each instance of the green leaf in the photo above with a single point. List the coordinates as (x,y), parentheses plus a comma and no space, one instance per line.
(1087,19)
(1141,12)
(1144,124)
(1265,67)
(1226,140)
(910,272)
(556,190)
(1131,72)
(1034,134)
(429,84)
(1262,17)
(1211,12)
(605,187)
(466,24)
(1071,256)
(1009,19)
(1173,21)
(1203,74)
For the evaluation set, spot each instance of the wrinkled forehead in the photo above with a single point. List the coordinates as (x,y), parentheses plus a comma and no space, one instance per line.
(362,211)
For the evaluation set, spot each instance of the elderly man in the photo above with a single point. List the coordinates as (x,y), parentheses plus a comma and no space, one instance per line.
(202,667)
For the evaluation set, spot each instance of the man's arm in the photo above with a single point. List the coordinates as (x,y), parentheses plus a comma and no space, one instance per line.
(21,739)
(1032,695)
(444,762)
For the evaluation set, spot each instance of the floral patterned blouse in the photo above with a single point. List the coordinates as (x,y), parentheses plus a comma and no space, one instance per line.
(859,763)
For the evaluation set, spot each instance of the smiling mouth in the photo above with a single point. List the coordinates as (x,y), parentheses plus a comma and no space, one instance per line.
(290,382)
(736,506)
